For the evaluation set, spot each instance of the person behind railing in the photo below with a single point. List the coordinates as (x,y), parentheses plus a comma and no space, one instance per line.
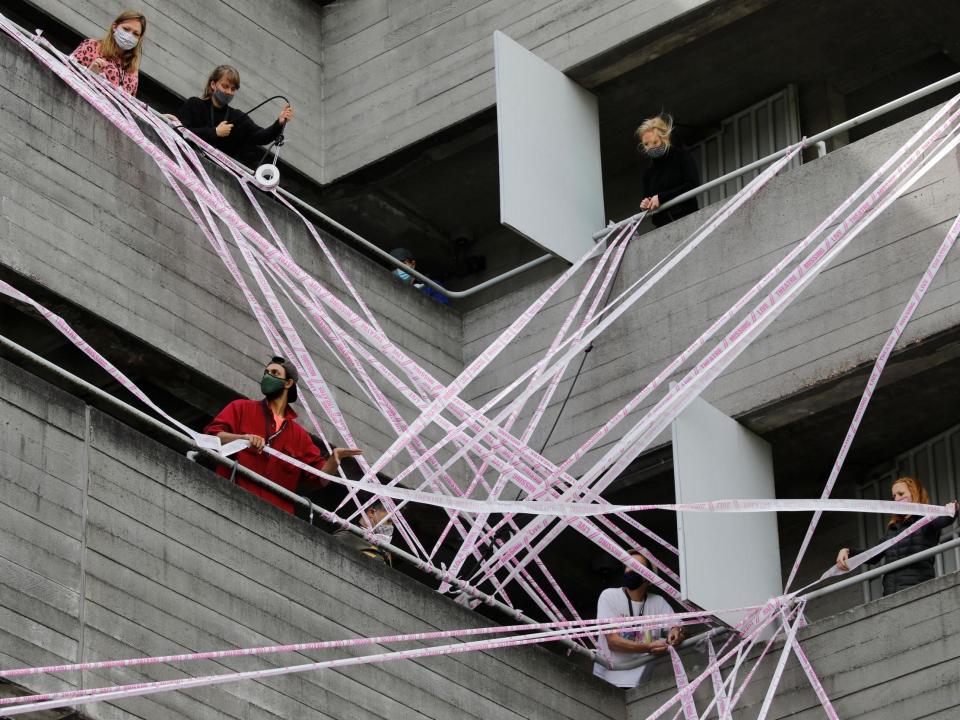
(211,118)
(406,257)
(272,422)
(117,54)
(632,600)
(906,489)
(672,171)
(375,520)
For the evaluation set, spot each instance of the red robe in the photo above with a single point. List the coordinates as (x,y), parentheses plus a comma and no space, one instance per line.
(254,417)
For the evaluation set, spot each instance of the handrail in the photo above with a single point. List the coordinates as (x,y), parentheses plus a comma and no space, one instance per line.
(832,588)
(883,569)
(600,234)
(178,441)
(807,142)
(382,254)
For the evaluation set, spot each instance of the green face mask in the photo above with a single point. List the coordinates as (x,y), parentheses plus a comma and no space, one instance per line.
(271,386)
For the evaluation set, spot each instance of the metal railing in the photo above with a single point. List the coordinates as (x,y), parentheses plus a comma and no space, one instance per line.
(846,582)
(882,570)
(376,250)
(817,141)
(814,141)
(174,439)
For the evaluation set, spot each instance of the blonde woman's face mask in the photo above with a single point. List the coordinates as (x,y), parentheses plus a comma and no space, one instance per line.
(651,140)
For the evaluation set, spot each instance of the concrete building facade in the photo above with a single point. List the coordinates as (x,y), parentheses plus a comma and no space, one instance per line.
(395,137)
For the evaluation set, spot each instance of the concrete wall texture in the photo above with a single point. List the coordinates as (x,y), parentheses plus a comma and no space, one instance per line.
(137,260)
(395,73)
(367,77)
(275,45)
(125,248)
(114,546)
(890,659)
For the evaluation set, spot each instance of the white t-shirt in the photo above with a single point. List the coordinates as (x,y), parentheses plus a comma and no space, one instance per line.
(614,603)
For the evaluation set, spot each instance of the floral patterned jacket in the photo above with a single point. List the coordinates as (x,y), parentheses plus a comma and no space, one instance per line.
(89,50)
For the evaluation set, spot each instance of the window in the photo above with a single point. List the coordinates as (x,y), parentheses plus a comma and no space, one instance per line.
(935,464)
(751,134)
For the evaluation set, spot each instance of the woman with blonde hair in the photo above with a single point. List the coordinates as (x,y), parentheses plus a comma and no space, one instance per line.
(211,118)
(906,489)
(117,55)
(672,171)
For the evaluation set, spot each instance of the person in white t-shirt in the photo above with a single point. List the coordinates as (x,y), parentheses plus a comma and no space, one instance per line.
(632,600)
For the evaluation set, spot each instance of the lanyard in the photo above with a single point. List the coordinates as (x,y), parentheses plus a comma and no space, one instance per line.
(630,612)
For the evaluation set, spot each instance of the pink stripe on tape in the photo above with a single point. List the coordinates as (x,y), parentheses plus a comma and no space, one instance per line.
(79,697)
(719,690)
(926,281)
(814,680)
(631,623)
(680,675)
(781,664)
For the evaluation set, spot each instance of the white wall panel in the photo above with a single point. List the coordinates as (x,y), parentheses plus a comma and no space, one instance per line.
(726,560)
(551,189)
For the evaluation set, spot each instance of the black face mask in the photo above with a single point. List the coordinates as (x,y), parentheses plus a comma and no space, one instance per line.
(633,580)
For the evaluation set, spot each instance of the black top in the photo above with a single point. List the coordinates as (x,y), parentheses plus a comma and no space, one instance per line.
(669,176)
(201,117)
(923,539)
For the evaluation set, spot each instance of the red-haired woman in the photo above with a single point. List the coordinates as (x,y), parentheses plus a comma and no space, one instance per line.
(906,489)
(117,54)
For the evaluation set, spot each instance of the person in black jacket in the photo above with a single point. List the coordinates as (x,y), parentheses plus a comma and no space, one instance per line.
(211,118)
(906,489)
(672,171)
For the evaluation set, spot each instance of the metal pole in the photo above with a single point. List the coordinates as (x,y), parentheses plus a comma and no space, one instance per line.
(366,243)
(808,142)
(689,642)
(384,255)
(835,587)
(173,438)
(882,570)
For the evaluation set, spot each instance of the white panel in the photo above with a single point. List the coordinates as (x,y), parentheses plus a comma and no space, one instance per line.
(551,189)
(726,560)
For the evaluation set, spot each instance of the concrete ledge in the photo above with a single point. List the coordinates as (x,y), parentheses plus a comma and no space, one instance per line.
(130,549)
(892,658)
